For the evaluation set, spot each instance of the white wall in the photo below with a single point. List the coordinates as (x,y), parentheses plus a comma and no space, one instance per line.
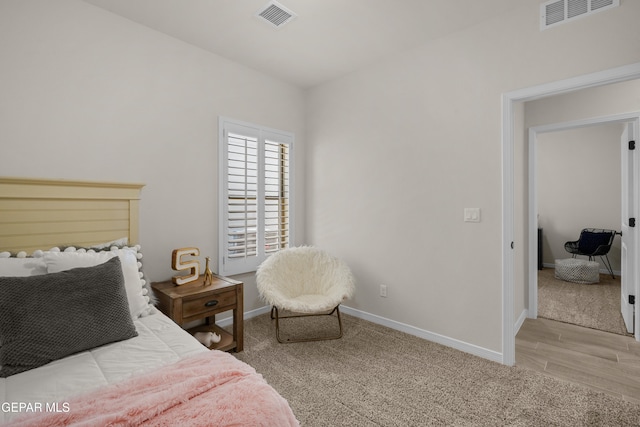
(578,182)
(387,157)
(601,101)
(85,94)
(398,150)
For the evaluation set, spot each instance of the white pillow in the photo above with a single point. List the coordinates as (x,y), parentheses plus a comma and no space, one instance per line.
(22,267)
(123,241)
(138,300)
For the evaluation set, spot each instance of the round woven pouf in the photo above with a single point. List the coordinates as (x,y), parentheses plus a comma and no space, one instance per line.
(578,271)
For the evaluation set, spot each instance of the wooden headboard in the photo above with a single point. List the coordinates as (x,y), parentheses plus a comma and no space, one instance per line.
(41,213)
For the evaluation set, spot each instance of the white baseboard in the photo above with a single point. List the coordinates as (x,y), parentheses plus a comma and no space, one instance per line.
(421,333)
(398,326)
(247,315)
(520,321)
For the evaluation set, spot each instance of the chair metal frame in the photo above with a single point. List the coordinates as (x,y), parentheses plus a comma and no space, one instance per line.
(602,250)
(277,317)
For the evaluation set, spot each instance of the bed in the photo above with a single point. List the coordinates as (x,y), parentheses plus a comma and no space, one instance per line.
(80,340)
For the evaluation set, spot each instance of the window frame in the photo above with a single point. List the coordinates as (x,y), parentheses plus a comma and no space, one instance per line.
(232,266)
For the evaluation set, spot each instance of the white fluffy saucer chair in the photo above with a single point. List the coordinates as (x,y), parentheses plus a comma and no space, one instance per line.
(304,280)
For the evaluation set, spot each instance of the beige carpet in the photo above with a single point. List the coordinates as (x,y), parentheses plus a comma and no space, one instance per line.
(376,376)
(594,306)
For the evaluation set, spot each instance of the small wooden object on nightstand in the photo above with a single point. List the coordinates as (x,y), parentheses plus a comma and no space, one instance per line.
(195,301)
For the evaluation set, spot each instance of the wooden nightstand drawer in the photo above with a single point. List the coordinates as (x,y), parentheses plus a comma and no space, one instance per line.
(195,301)
(208,304)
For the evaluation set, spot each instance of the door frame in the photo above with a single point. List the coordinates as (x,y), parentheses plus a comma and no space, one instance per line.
(532,311)
(509,102)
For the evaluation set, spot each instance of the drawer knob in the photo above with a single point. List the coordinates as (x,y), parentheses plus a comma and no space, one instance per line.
(211,303)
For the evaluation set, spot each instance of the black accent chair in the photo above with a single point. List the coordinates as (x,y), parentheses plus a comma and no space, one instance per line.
(593,242)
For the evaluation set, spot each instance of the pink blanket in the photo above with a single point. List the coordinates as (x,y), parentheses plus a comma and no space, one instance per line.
(210,389)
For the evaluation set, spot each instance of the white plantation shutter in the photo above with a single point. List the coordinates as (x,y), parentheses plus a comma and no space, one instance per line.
(242,195)
(276,196)
(255,181)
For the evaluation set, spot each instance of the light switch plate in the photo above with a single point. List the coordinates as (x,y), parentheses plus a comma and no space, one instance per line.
(471,214)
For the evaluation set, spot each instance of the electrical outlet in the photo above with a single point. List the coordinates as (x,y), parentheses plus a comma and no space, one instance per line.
(383,291)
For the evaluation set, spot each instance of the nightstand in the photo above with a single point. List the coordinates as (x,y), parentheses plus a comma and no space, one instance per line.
(194,301)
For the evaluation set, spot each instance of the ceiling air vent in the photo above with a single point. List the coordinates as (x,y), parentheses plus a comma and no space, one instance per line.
(276,14)
(556,12)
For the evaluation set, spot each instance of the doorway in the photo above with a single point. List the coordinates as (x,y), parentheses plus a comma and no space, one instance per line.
(585,180)
(511,102)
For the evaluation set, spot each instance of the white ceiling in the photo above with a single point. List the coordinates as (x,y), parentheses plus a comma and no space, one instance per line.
(328,38)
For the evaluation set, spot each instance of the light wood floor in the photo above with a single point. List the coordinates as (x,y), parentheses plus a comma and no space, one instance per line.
(605,362)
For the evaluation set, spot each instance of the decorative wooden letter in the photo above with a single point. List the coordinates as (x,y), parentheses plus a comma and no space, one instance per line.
(178,264)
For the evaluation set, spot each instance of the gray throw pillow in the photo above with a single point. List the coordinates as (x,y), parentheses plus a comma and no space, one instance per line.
(47,317)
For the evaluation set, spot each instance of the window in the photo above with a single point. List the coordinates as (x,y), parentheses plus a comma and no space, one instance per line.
(255,194)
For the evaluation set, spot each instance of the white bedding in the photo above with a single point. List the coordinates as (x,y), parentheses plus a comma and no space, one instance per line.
(159,342)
